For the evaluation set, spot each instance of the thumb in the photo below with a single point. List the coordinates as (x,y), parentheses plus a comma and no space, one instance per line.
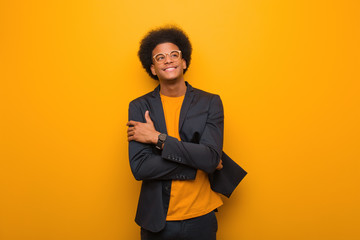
(147,117)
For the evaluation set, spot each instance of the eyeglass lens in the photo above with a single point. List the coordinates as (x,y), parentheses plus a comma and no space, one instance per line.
(174,55)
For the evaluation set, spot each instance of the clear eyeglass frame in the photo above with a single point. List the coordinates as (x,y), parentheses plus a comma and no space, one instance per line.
(172,57)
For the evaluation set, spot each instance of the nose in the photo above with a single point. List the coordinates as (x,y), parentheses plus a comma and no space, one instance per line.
(168,58)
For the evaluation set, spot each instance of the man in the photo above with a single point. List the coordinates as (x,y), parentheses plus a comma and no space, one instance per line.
(175,136)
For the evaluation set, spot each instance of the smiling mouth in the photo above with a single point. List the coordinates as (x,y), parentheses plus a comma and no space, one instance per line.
(170,69)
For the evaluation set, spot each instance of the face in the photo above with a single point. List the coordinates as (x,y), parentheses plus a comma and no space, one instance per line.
(169,69)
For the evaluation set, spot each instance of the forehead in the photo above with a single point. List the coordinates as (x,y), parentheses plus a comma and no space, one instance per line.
(164,48)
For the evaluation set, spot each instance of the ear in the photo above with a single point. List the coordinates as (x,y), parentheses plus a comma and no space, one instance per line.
(184,63)
(152,68)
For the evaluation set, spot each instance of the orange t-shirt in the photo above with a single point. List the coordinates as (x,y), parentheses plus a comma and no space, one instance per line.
(189,198)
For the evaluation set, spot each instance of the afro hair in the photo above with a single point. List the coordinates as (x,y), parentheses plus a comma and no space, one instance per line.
(171,34)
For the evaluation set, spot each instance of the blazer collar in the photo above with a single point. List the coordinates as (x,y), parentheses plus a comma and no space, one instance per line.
(189,90)
(158,111)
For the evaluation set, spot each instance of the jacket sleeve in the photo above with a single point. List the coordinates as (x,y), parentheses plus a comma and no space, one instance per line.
(206,154)
(146,161)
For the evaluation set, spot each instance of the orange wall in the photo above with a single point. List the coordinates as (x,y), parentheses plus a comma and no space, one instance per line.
(288,75)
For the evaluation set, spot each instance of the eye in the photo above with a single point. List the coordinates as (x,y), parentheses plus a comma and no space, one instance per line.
(174,54)
(160,57)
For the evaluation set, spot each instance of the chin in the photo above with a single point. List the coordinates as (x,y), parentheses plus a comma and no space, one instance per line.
(171,78)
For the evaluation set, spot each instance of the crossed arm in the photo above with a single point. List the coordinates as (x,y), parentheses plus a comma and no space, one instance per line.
(177,159)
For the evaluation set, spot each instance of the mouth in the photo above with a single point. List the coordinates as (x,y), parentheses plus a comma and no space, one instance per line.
(169,69)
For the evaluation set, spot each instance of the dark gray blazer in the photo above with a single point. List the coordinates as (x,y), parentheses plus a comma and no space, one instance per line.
(201,131)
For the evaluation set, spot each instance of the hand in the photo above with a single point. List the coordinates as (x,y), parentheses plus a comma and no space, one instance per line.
(220,166)
(142,132)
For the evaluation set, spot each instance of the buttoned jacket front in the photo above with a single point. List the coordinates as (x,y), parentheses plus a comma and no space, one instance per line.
(201,126)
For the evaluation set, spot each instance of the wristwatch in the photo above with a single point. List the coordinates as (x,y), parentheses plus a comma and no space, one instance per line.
(161,140)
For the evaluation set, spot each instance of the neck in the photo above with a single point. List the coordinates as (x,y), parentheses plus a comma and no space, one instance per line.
(174,88)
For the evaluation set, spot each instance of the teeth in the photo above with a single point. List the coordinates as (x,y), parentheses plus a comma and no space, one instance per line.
(170,69)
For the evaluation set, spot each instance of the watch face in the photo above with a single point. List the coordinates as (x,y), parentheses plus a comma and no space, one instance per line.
(162,137)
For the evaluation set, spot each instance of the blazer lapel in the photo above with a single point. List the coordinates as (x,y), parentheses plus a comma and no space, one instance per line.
(157,112)
(186,104)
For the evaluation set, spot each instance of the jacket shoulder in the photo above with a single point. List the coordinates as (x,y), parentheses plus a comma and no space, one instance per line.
(142,99)
(204,94)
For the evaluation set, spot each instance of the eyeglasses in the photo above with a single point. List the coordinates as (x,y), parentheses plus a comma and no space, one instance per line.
(161,57)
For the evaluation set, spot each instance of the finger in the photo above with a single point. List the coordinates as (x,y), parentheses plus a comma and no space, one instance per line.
(219,166)
(132,133)
(147,117)
(131,123)
(131,138)
(131,129)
